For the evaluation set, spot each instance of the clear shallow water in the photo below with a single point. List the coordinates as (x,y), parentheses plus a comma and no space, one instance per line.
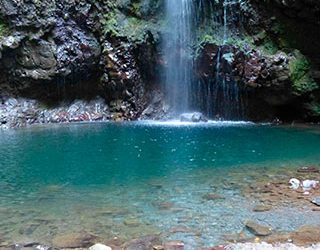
(133,179)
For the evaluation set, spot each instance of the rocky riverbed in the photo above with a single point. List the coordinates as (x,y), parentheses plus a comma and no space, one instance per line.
(268,192)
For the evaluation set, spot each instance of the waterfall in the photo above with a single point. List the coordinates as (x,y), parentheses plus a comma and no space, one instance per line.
(218,97)
(177,54)
(227,98)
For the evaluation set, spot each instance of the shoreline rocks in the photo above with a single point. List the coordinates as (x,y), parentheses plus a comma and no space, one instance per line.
(21,112)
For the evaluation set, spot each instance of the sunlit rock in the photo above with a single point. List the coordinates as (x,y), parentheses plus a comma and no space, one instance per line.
(99,246)
(309,184)
(295,183)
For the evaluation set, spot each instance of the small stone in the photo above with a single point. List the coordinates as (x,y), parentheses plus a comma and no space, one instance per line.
(131,222)
(257,229)
(99,246)
(32,244)
(142,243)
(180,229)
(40,247)
(174,245)
(316,201)
(164,205)
(158,247)
(212,196)
(261,208)
(308,170)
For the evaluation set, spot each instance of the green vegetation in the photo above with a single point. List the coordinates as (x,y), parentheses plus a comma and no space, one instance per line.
(302,81)
(3,29)
(118,23)
(314,108)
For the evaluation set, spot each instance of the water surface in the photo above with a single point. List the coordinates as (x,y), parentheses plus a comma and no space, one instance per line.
(133,179)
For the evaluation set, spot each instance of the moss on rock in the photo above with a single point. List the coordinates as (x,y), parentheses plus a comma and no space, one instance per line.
(128,19)
(3,29)
(302,82)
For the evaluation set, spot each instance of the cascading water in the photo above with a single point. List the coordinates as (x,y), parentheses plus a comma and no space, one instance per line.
(227,95)
(218,97)
(177,53)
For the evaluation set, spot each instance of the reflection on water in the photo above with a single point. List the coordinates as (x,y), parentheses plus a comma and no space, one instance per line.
(132,179)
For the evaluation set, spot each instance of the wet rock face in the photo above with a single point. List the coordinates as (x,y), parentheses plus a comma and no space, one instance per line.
(67,52)
(266,79)
(78,51)
(62,46)
(45,44)
(69,43)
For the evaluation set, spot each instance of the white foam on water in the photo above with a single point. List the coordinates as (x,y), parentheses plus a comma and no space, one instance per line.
(178,123)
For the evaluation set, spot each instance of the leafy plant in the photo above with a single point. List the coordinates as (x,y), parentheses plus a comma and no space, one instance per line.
(302,82)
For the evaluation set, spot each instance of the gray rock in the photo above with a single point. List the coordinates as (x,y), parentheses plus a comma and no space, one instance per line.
(193,117)
(316,201)
(257,229)
(143,243)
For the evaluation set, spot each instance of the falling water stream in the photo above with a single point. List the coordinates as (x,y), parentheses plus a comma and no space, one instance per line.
(221,96)
(177,46)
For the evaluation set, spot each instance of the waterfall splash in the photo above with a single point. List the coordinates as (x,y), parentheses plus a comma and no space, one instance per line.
(177,53)
(218,97)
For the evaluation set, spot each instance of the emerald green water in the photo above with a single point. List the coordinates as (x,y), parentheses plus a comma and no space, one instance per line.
(133,179)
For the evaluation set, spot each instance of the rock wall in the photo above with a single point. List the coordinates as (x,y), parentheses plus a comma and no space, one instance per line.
(274,57)
(59,51)
(53,51)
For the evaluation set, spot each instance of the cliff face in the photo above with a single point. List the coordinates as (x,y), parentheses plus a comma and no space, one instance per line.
(62,50)
(54,51)
(273,53)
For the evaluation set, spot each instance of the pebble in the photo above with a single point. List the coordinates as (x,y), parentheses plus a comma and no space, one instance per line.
(316,201)
(261,208)
(99,246)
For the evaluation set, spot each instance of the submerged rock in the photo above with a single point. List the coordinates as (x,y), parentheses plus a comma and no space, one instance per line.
(174,245)
(257,229)
(143,243)
(74,240)
(132,222)
(261,208)
(308,170)
(213,196)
